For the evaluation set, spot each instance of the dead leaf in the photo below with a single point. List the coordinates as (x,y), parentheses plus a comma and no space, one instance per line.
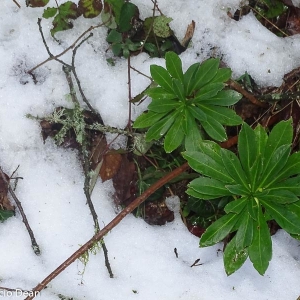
(188,34)
(4,201)
(110,165)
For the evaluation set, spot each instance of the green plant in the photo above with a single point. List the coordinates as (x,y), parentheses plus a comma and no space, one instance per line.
(182,101)
(264,182)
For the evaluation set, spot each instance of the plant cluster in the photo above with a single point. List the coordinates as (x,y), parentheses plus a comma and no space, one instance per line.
(184,101)
(264,184)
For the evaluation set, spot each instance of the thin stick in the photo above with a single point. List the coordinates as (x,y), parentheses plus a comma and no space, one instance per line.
(55,57)
(129,94)
(250,97)
(17,3)
(99,235)
(34,244)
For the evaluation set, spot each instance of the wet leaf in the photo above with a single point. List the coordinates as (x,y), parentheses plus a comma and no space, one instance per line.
(110,165)
(36,3)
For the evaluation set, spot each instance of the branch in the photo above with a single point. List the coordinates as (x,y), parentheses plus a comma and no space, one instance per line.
(99,235)
(34,244)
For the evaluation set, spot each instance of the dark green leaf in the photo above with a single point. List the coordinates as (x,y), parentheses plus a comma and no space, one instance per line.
(236,206)
(288,220)
(223,98)
(234,168)
(214,129)
(174,65)
(224,115)
(117,6)
(163,106)
(150,47)
(244,235)
(206,165)
(212,150)
(5,214)
(260,251)
(208,91)
(238,189)
(209,186)
(162,77)
(233,258)
(206,72)
(159,93)
(222,75)
(147,119)
(218,230)
(114,37)
(247,147)
(178,89)
(275,164)
(281,134)
(188,78)
(174,136)
(117,49)
(197,113)
(128,10)
(195,194)
(291,184)
(159,129)
(279,196)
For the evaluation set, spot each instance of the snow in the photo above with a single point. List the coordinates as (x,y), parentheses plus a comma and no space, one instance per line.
(142,256)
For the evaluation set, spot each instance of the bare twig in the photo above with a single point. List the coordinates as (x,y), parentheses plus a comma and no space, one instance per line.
(17,3)
(129,94)
(234,85)
(99,235)
(34,244)
(55,57)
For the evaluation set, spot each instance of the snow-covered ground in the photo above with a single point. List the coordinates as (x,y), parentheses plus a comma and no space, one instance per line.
(142,256)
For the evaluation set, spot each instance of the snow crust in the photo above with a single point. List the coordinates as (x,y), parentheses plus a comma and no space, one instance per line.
(142,256)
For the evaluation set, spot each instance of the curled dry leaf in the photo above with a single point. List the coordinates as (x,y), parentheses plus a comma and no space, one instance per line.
(110,165)
(4,201)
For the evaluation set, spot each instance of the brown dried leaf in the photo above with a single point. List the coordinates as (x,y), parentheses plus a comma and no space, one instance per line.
(189,34)
(110,165)
(4,201)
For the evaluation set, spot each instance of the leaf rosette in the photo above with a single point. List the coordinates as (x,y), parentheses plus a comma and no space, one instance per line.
(264,182)
(182,102)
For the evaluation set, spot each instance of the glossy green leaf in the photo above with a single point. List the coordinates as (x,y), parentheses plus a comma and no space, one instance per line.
(5,214)
(260,251)
(238,189)
(224,115)
(117,49)
(209,186)
(158,93)
(188,78)
(195,194)
(206,72)
(208,91)
(147,119)
(218,230)
(163,106)
(281,134)
(244,235)
(197,113)
(178,89)
(247,147)
(288,220)
(174,136)
(223,98)
(234,168)
(207,166)
(212,150)
(236,206)
(279,196)
(128,10)
(214,129)
(222,75)
(291,184)
(162,77)
(174,65)
(233,258)
(116,7)
(275,164)
(159,129)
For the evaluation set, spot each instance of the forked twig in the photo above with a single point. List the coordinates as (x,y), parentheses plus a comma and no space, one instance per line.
(34,244)
(99,235)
